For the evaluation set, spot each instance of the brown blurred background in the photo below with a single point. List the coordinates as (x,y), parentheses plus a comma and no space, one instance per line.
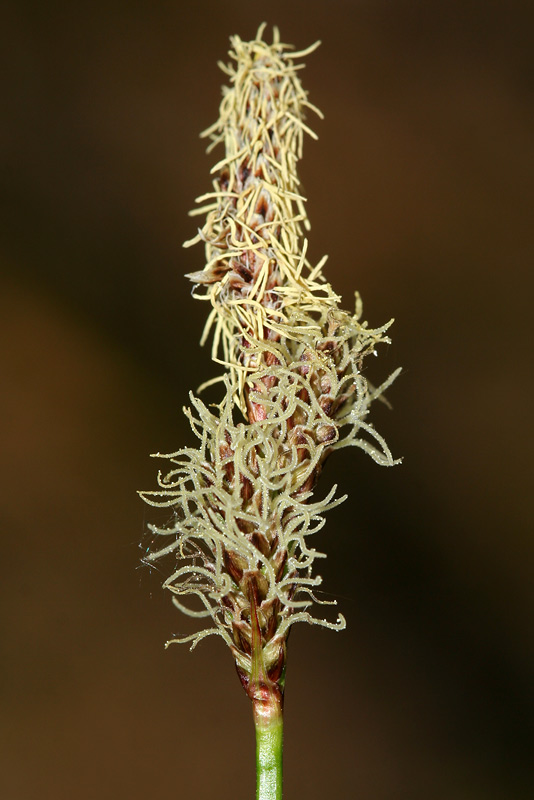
(420,189)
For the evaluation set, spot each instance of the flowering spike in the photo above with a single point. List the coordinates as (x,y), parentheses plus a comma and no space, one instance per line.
(243,505)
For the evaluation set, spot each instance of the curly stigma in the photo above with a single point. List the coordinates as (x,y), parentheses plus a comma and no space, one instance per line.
(243,501)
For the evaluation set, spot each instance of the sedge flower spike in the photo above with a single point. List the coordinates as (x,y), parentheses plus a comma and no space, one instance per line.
(242,502)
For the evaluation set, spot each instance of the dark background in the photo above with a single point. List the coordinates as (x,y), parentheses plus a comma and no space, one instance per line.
(420,189)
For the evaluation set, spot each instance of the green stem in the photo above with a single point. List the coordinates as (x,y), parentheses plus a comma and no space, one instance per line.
(269,725)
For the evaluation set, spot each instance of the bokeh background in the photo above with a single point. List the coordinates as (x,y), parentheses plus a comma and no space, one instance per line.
(420,190)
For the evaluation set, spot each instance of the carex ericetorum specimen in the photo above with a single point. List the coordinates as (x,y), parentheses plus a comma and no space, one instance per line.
(244,503)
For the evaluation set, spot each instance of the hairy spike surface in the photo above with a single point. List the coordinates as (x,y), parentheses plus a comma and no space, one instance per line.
(243,505)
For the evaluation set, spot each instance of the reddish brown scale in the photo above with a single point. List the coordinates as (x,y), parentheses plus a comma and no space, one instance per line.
(206,482)
(216,273)
(262,205)
(235,564)
(274,543)
(325,384)
(243,676)
(245,526)
(280,561)
(291,588)
(254,585)
(257,412)
(242,636)
(257,502)
(247,489)
(276,671)
(326,433)
(227,454)
(268,618)
(243,174)
(270,627)
(224,180)
(242,270)
(220,241)
(271,359)
(228,601)
(297,436)
(327,404)
(252,461)
(260,542)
